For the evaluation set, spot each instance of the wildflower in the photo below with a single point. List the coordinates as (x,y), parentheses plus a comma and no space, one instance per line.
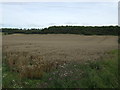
(75,65)
(50,78)
(71,72)
(54,73)
(26,82)
(56,62)
(45,83)
(65,74)
(62,66)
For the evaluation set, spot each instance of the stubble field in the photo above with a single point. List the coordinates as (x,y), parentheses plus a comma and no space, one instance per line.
(64,47)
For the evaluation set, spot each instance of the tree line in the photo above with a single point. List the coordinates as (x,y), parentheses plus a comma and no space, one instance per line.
(82,30)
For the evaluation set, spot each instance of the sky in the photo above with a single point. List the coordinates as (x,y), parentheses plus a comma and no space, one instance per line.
(45,14)
(119,13)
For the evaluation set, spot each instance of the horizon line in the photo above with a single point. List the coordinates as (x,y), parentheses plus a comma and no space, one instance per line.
(60,25)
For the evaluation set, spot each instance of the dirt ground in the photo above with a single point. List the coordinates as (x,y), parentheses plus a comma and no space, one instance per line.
(60,46)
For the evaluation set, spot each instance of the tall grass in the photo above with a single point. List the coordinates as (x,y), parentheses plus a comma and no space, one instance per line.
(102,73)
(28,65)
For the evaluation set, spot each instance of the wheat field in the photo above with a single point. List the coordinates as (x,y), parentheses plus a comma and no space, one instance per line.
(26,54)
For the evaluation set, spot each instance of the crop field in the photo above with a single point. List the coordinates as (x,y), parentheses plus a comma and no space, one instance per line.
(61,59)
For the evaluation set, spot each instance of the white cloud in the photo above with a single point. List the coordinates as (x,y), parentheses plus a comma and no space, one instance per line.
(47,14)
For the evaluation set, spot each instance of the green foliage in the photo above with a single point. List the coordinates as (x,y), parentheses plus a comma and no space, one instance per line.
(82,30)
(92,74)
(10,79)
(102,73)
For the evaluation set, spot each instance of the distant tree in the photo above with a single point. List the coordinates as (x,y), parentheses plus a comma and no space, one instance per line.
(84,30)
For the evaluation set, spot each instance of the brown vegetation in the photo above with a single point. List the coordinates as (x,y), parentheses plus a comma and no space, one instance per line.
(33,55)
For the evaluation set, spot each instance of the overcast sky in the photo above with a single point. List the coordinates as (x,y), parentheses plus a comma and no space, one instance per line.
(44,14)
